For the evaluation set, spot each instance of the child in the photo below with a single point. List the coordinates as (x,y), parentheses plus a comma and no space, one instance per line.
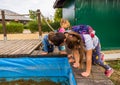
(63,25)
(91,51)
(48,45)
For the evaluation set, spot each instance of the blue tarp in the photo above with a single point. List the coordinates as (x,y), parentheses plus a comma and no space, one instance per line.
(36,67)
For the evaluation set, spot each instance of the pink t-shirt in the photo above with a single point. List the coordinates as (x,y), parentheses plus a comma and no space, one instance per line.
(61,30)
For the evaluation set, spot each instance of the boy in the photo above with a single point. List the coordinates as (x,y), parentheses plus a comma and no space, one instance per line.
(51,40)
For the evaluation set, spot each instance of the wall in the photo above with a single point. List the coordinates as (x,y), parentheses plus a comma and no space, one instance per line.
(69,11)
(102,15)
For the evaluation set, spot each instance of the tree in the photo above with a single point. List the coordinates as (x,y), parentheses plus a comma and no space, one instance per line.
(58,15)
(33,15)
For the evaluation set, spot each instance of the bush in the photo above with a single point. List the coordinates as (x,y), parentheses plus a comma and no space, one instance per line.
(46,28)
(1,29)
(33,26)
(26,26)
(12,27)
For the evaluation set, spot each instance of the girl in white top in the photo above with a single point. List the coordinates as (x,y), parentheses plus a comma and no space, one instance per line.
(84,45)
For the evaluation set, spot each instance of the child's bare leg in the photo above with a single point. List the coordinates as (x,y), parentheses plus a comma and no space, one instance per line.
(77,58)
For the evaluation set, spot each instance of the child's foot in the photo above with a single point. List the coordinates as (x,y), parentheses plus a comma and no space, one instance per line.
(108,73)
(76,65)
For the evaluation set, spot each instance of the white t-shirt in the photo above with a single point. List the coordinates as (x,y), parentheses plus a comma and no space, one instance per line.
(90,43)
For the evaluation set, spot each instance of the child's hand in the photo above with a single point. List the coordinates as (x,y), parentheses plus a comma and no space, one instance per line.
(85,74)
(63,52)
(70,55)
(76,65)
(44,53)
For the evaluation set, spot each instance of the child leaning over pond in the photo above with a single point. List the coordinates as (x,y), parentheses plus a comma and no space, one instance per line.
(48,45)
(90,47)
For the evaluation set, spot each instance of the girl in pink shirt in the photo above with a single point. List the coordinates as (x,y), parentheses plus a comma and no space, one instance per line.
(63,25)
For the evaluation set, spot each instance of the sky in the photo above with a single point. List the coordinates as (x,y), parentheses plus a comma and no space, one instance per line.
(23,6)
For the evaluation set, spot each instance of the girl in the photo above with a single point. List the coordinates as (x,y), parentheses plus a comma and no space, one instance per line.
(91,49)
(63,25)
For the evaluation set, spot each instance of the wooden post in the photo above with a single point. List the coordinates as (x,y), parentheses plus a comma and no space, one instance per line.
(39,24)
(4,25)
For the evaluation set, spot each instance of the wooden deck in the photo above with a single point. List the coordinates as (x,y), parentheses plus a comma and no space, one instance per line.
(29,47)
(18,47)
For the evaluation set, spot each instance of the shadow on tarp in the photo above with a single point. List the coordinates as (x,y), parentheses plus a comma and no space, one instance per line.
(54,68)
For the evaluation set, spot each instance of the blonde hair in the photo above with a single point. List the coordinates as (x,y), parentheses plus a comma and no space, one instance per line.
(64,22)
(74,41)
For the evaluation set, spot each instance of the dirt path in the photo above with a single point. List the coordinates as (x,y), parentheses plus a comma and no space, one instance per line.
(20,36)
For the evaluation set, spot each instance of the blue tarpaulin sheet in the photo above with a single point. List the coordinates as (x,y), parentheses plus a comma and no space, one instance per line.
(31,67)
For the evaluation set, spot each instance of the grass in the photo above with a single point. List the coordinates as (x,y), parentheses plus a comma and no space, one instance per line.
(116,75)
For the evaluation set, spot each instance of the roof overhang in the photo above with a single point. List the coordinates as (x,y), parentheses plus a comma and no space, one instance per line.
(59,3)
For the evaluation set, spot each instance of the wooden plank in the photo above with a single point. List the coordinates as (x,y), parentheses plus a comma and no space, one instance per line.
(22,48)
(9,48)
(18,47)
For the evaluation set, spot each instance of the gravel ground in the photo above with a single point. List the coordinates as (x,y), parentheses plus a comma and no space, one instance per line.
(21,36)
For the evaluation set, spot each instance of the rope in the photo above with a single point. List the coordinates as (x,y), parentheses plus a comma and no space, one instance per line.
(47,22)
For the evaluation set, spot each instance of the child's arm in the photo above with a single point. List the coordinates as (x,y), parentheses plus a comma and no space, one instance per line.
(45,47)
(88,63)
(62,49)
(77,58)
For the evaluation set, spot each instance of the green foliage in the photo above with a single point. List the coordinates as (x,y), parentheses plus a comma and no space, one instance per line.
(46,28)
(13,27)
(115,64)
(26,26)
(1,29)
(58,15)
(33,26)
(33,15)
(115,76)
(55,25)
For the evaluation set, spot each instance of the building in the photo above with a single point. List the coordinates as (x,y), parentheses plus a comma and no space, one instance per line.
(12,16)
(102,15)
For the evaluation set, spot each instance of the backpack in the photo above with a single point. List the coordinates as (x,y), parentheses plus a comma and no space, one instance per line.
(84,29)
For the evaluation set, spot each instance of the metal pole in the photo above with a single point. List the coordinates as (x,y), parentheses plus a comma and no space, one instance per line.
(39,24)
(4,25)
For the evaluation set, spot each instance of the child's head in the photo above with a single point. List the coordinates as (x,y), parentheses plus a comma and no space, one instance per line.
(64,23)
(74,41)
(58,39)
(50,37)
